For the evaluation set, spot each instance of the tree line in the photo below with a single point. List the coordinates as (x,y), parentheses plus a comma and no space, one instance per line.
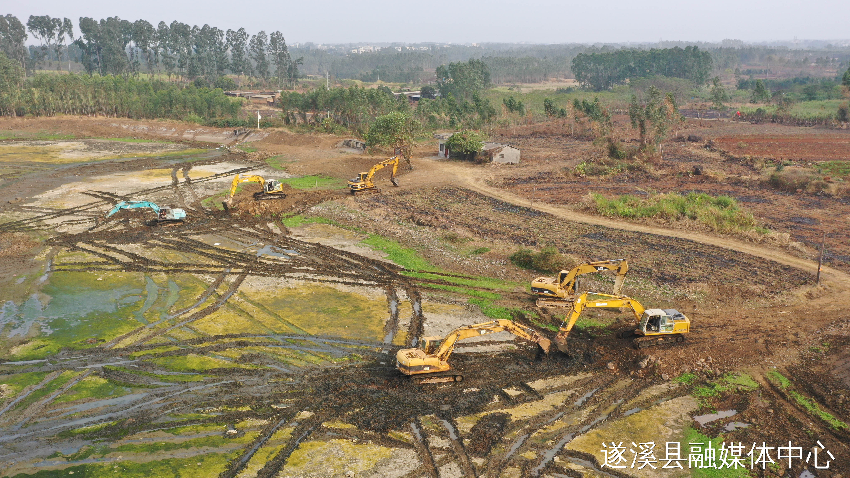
(114,46)
(111,95)
(603,70)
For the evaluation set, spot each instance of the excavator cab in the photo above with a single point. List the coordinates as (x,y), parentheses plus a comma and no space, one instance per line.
(272,185)
(429,345)
(663,322)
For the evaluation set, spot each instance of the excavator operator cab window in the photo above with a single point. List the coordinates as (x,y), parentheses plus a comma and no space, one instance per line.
(652,323)
(430,344)
(666,323)
(271,185)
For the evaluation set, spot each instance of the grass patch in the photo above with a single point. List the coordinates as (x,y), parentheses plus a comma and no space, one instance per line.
(92,387)
(686,378)
(403,256)
(199,466)
(192,363)
(248,149)
(278,162)
(817,411)
(728,383)
(479,251)
(314,182)
(480,294)
(834,168)
(721,213)
(807,403)
(711,468)
(481,282)
(299,220)
(779,379)
(17,382)
(494,311)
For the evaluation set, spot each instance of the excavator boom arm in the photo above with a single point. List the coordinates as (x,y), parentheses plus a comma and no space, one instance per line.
(382,165)
(485,328)
(605,300)
(248,179)
(620,266)
(133,205)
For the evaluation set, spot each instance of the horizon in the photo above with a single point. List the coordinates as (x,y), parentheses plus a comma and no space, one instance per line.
(620,22)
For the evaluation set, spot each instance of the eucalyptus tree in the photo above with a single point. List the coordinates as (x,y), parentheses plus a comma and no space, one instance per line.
(65,31)
(90,45)
(258,47)
(44,28)
(13,34)
(180,44)
(237,43)
(144,38)
(163,48)
(280,56)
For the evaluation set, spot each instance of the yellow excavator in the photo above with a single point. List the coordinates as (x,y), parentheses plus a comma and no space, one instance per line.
(363,181)
(429,362)
(653,325)
(560,291)
(272,188)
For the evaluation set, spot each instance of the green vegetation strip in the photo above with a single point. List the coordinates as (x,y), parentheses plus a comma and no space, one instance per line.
(711,468)
(720,213)
(313,182)
(805,402)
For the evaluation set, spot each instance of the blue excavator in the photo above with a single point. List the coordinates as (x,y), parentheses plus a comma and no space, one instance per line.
(163,214)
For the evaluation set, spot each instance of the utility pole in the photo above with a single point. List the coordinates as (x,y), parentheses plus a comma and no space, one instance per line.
(820,259)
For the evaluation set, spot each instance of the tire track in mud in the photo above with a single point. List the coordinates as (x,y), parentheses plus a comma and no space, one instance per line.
(34,409)
(457,446)
(38,221)
(203,298)
(234,286)
(423,448)
(588,387)
(238,464)
(391,326)
(28,390)
(417,320)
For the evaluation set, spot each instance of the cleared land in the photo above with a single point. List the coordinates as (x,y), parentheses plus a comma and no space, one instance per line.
(261,342)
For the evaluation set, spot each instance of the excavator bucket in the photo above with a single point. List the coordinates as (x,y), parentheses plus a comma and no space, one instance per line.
(392,180)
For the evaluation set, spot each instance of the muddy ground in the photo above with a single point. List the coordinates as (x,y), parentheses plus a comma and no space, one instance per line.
(253,343)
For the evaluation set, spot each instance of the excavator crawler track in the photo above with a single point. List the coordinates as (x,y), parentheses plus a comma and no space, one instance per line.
(652,340)
(261,196)
(437,378)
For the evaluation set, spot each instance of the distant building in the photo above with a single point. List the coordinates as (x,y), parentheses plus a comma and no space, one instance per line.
(490,153)
(499,153)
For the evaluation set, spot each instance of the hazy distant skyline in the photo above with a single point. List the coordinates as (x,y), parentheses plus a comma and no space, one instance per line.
(492,21)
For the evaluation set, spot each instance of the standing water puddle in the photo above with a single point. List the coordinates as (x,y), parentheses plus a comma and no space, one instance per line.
(703,419)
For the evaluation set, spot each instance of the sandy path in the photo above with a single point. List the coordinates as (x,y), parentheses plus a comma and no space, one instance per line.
(474,178)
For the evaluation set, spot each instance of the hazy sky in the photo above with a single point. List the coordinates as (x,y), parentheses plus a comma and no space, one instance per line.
(463,21)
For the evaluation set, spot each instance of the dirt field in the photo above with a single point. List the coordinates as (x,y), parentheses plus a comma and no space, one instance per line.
(261,341)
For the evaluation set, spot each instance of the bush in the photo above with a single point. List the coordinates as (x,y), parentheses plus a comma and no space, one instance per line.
(843,114)
(465,144)
(547,260)
(719,213)
(793,179)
